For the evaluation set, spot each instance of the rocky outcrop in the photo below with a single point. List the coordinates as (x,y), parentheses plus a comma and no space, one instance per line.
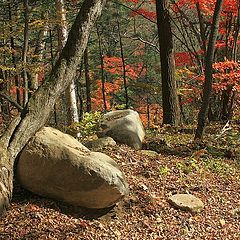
(56,165)
(124,126)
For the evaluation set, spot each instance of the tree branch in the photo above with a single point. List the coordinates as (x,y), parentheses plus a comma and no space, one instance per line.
(9,99)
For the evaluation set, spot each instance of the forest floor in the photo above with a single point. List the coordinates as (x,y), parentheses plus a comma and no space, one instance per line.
(210,171)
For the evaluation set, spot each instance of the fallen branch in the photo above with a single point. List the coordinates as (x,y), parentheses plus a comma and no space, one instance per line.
(225,128)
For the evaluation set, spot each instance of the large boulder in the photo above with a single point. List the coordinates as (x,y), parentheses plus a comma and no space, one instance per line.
(124,126)
(56,165)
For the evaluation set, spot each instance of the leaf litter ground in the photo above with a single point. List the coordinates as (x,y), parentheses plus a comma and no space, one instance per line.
(209,171)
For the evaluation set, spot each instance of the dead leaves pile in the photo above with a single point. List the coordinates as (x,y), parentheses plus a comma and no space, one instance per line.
(143,215)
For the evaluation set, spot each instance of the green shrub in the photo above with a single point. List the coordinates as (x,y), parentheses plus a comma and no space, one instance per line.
(88,125)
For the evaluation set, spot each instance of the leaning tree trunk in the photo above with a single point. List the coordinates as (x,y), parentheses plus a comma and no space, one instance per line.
(171,111)
(37,111)
(207,88)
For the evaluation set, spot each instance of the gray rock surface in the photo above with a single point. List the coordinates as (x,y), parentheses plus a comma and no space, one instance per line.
(124,126)
(187,202)
(150,153)
(56,165)
(100,143)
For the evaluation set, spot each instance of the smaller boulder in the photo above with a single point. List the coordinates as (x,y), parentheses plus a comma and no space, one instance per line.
(124,126)
(149,153)
(100,143)
(187,202)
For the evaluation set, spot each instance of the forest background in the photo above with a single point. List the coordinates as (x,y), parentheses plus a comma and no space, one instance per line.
(121,66)
(140,55)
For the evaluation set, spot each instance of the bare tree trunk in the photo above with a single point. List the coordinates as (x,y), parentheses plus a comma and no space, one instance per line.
(171,112)
(24,51)
(102,70)
(39,51)
(52,64)
(235,35)
(38,108)
(80,92)
(87,80)
(202,28)
(207,88)
(14,60)
(123,67)
(70,93)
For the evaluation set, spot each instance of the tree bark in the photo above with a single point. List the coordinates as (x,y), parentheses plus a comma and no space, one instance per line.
(87,81)
(70,93)
(123,67)
(102,70)
(207,88)
(40,45)
(37,110)
(171,112)
(25,50)
(14,60)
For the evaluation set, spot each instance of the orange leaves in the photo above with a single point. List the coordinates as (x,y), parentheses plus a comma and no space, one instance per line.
(133,1)
(114,65)
(144,12)
(183,59)
(154,110)
(226,74)
(207,6)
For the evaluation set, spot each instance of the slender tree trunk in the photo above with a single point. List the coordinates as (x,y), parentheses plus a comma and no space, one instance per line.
(41,44)
(80,92)
(225,113)
(62,38)
(235,36)
(52,60)
(87,80)
(123,67)
(202,28)
(39,106)
(148,114)
(102,70)
(171,112)
(14,60)
(24,51)
(207,88)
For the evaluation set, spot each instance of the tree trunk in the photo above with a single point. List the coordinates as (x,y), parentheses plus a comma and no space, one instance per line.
(24,51)
(207,88)
(102,70)
(70,93)
(87,80)
(171,112)
(123,67)
(14,60)
(235,35)
(37,110)
(40,45)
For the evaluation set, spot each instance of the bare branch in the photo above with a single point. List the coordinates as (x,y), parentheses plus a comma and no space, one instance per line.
(145,42)
(9,99)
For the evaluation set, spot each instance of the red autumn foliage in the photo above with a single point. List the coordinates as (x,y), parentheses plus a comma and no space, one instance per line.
(227,75)
(183,59)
